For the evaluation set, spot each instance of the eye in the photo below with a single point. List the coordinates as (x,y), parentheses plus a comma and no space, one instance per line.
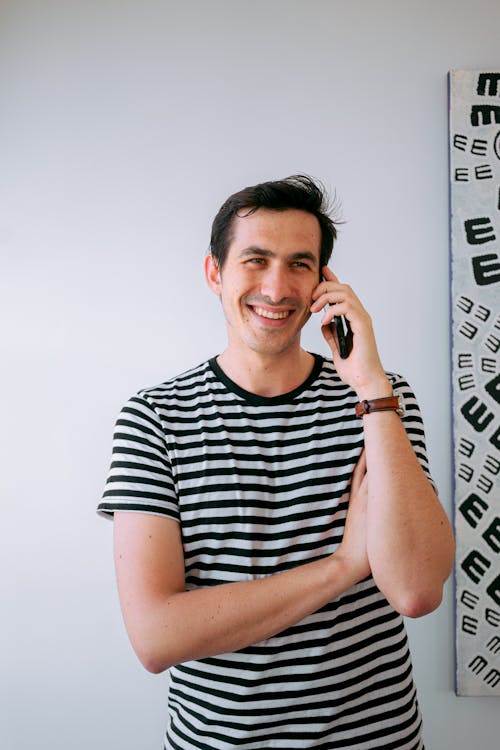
(255,261)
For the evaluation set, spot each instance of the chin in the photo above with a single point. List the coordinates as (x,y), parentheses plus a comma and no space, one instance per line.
(274,348)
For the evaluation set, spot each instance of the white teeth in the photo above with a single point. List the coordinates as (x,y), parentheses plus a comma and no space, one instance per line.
(272,315)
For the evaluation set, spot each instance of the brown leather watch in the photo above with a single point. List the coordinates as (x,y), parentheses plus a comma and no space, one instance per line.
(388,403)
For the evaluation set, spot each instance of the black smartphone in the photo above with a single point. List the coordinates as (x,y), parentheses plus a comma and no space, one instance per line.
(344,335)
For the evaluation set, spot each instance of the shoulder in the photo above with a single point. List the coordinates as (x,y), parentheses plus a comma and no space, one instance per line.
(149,406)
(188,380)
(186,388)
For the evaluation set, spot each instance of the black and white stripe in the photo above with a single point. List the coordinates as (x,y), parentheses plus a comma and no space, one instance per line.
(261,485)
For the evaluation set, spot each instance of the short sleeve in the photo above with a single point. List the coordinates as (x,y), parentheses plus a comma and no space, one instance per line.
(412,421)
(140,475)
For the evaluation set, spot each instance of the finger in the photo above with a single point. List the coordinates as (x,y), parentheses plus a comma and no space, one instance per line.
(332,293)
(327,297)
(333,310)
(323,288)
(330,336)
(328,274)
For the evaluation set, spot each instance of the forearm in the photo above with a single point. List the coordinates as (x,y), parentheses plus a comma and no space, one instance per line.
(409,538)
(224,618)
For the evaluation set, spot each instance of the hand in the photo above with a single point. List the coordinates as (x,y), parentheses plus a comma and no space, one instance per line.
(353,546)
(362,369)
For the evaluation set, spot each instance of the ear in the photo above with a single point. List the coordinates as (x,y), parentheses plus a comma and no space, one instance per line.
(212,274)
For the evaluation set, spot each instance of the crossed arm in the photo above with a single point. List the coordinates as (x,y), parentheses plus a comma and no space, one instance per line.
(168,625)
(395,528)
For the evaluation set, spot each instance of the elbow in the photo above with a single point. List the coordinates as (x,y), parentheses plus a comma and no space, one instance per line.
(421,591)
(152,661)
(156,645)
(416,603)
(151,654)
(154,667)
(420,606)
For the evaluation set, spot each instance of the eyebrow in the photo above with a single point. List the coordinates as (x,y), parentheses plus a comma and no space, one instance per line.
(255,250)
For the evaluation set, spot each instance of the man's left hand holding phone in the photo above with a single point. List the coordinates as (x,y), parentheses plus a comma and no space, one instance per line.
(355,353)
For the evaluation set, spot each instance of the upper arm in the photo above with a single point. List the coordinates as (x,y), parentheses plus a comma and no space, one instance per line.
(149,564)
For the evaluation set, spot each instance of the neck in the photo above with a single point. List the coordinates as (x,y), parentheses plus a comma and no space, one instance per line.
(267,375)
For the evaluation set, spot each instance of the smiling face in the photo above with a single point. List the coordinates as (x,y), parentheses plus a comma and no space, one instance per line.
(266,282)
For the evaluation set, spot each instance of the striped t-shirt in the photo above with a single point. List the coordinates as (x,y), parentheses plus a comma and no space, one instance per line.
(260,485)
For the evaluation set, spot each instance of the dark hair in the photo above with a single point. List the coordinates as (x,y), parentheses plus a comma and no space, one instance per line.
(297,191)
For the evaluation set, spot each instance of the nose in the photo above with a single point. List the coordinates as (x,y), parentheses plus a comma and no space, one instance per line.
(275,284)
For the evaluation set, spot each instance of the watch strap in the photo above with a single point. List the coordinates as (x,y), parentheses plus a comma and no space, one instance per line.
(388,403)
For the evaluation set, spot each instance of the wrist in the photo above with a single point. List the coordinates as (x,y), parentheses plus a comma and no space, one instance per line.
(379,388)
(387,403)
(344,570)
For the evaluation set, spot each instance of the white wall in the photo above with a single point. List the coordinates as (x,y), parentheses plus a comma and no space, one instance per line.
(123,127)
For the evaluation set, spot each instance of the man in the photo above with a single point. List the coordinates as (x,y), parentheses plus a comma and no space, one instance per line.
(267,539)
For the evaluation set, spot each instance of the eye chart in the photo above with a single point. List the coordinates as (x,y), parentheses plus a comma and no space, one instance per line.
(475,285)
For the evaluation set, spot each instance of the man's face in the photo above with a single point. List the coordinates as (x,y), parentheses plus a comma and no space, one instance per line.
(266,282)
